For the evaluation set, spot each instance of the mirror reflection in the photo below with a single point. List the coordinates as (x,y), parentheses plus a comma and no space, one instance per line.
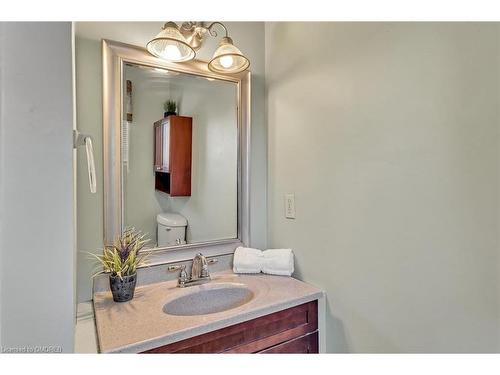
(179,156)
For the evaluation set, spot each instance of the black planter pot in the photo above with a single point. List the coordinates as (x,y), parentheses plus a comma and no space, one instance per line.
(166,114)
(123,289)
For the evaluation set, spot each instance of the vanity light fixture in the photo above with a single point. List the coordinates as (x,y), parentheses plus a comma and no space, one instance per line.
(171,45)
(179,44)
(227,58)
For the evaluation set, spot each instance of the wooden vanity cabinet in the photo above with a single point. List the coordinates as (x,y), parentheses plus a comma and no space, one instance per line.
(294,330)
(172,155)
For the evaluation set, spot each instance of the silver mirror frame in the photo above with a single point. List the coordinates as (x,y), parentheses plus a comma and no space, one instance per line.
(114,56)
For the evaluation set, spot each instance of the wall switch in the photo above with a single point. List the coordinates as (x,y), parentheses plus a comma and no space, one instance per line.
(290,206)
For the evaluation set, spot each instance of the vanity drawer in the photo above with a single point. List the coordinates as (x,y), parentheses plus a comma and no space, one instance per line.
(307,344)
(256,335)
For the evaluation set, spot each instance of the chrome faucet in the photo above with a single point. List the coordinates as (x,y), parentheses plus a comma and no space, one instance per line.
(199,271)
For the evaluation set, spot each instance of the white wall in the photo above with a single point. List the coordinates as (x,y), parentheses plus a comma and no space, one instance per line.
(248,36)
(36,194)
(89,208)
(388,136)
(211,210)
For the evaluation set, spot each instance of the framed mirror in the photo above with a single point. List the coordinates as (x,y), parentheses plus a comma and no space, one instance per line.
(176,142)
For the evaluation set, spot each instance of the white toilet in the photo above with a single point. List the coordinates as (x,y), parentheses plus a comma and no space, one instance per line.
(171,229)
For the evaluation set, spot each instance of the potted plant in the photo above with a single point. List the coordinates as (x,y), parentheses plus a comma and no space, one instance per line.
(121,260)
(170,108)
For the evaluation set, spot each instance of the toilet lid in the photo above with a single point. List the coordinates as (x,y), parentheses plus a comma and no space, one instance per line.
(171,219)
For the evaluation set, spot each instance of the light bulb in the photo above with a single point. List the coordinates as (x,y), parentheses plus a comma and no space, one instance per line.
(172,52)
(226,61)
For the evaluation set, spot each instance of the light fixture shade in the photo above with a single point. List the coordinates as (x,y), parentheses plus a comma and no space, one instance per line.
(228,59)
(171,45)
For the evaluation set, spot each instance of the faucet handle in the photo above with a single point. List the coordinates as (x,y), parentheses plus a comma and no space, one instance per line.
(176,268)
(183,276)
(212,260)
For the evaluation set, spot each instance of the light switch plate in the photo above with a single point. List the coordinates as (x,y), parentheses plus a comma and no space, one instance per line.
(290,206)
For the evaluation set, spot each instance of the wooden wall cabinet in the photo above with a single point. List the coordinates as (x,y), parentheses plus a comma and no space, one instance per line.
(172,155)
(294,330)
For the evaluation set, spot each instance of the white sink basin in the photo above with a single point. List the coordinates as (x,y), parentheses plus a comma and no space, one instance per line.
(209,299)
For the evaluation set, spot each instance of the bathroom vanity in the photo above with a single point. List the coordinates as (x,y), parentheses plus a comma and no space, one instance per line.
(293,330)
(277,315)
(203,161)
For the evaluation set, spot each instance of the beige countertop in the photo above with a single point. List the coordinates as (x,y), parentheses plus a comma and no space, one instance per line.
(141,324)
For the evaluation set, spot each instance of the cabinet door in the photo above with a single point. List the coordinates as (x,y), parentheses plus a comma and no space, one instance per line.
(158,146)
(180,156)
(165,146)
(162,146)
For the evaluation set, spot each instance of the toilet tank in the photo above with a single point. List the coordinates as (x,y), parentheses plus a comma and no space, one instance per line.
(171,229)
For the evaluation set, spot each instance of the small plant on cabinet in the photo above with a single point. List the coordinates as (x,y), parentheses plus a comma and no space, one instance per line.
(170,108)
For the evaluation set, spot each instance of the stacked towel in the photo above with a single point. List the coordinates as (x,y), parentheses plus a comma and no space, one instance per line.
(272,261)
(278,262)
(247,260)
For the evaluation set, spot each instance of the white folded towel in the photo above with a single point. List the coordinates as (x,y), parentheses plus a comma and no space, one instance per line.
(247,260)
(278,262)
(272,261)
